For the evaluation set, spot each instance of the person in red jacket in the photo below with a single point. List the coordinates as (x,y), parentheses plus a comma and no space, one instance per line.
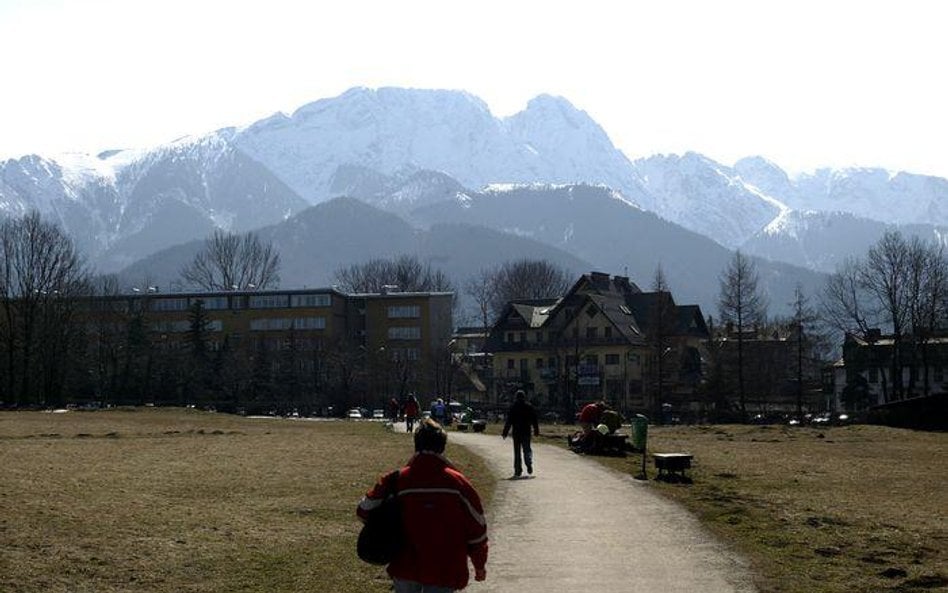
(442,519)
(590,415)
(411,412)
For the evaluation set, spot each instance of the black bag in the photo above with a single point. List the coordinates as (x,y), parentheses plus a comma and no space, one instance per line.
(381,535)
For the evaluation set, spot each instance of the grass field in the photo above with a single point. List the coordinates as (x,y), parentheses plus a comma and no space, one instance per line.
(829,510)
(164,500)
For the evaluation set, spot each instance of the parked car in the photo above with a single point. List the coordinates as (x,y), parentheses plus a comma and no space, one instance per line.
(354,414)
(378,414)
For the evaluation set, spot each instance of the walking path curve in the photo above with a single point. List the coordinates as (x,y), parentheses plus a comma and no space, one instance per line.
(577,524)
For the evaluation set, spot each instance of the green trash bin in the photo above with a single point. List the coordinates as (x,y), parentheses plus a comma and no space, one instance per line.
(640,432)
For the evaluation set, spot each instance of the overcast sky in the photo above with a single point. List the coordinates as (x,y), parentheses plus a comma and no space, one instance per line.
(803,83)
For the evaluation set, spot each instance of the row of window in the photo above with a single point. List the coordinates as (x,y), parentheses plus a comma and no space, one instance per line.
(592,333)
(284,323)
(177,327)
(412,332)
(404,312)
(257,301)
(589,364)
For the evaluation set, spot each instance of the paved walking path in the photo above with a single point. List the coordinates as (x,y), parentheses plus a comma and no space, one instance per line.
(576,525)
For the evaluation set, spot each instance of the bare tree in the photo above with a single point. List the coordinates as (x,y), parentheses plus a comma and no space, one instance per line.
(41,274)
(803,321)
(527,279)
(230,261)
(928,297)
(480,287)
(845,306)
(406,272)
(884,276)
(740,302)
(661,326)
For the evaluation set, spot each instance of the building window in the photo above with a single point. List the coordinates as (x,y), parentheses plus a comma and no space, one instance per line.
(591,333)
(510,363)
(613,388)
(310,300)
(269,301)
(612,359)
(938,375)
(270,324)
(410,332)
(539,363)
(212,303)
(178,304)
(592,359)
(607,331)
(400,354)
(523,337)
(539,337)
(524,364)
(309,323)
(404,312)
(509,338)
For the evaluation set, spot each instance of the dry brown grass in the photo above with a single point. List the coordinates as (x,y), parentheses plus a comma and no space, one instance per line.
(836,509)
(166,500)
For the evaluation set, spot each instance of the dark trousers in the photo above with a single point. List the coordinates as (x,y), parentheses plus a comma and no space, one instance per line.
(521,445)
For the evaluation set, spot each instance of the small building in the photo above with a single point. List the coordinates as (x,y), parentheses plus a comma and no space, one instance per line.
(877,369)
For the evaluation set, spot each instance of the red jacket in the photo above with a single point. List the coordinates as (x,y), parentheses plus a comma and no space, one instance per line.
(443,521)
(590,414)
(411,409)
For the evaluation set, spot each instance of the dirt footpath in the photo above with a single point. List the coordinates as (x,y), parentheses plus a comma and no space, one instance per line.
(577,524)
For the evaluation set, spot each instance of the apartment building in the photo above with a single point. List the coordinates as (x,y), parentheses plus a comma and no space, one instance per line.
(385,343)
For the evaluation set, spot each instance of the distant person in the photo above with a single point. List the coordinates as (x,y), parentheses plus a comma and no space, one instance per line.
(393,409)
(439,411)
(411,411)
(590,415)
(521,418)
(611,418)
(442,520)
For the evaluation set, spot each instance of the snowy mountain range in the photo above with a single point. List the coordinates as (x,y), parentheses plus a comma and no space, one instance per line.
(405,149)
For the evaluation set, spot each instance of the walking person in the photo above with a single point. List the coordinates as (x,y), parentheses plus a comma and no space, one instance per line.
(439,411)
(411,412)
(521,418)
(442,518)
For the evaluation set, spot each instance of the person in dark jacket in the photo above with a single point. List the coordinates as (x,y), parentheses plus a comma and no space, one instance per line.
(521,419)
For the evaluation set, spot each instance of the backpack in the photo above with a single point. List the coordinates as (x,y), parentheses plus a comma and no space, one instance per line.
(381,535)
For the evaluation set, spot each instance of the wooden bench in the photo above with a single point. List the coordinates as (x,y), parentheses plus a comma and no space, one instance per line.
(671,466)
